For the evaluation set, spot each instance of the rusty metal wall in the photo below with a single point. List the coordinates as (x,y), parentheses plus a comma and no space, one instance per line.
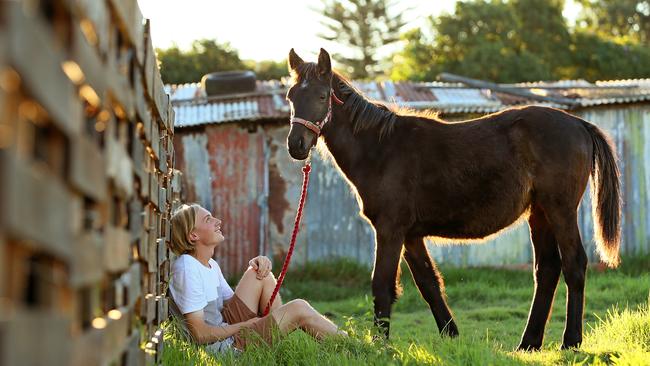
(223,170)
(331,225)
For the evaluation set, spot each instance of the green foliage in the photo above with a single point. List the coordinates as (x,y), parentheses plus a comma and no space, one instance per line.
(364,26)
(205,56)
(268,69)
(520,40)
(626,19)
(490,307)
(514,41)
(598,58)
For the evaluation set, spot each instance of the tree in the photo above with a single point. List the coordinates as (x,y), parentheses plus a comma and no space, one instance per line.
(625,19)
(205,56)
(514,41)
(597,58)
(268,69)
(498,40)
(366,27)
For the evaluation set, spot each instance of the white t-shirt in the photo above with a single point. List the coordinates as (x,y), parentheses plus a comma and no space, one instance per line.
(196,287)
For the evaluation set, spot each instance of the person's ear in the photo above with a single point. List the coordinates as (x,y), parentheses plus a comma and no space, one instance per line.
(192,236)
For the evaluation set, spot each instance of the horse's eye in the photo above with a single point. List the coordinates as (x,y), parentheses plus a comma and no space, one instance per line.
(323,97)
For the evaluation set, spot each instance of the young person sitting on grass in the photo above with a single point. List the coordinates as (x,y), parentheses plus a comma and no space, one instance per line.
(212,312)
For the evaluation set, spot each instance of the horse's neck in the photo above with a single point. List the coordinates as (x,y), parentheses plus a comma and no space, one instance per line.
(345,146)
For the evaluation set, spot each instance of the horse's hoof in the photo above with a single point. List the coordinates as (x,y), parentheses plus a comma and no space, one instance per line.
(379,338)
(450,330)
(571,346)
(527,347)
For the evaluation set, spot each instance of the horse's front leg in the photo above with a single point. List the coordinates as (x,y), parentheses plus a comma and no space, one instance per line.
(385,277)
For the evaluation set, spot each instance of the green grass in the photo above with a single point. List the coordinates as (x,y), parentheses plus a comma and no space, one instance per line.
(490,307)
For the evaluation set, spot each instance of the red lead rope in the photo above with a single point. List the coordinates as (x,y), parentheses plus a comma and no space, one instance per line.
(296,227)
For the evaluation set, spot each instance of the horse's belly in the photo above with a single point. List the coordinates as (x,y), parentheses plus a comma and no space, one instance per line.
(472,221)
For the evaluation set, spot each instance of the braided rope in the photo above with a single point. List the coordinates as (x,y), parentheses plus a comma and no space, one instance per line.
(294,234)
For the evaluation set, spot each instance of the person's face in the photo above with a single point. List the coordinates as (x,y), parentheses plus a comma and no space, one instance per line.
(207,229)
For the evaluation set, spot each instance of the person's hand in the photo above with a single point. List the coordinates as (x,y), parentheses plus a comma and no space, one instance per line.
(261,265)
(248,323)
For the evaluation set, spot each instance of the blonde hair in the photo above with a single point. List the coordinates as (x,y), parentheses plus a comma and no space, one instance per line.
(182,222)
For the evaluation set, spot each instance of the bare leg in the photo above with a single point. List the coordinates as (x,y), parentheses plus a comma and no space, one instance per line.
(257,293)
(299,314)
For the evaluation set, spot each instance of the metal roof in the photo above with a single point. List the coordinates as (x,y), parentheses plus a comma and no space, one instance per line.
(194,108)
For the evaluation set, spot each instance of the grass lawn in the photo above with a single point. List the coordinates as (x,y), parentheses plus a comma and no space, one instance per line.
(490,307)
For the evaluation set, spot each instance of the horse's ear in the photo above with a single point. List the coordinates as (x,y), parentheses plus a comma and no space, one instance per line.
(324,62)
(294,60)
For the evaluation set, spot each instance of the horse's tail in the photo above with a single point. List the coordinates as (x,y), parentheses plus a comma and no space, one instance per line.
(605,197)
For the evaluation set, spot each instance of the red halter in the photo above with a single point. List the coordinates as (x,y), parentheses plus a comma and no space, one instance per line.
(317,126)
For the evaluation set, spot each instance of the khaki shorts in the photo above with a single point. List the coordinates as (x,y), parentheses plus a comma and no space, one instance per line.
(235,311)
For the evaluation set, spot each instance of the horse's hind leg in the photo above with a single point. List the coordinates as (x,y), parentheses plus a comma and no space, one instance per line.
(563,218)
(430,284)
(547,274)
(574,267)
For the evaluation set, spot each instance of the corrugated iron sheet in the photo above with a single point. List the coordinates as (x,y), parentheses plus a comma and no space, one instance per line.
(223,170)
(193,108)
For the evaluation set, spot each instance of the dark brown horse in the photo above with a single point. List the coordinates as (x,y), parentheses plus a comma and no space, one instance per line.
(418,177)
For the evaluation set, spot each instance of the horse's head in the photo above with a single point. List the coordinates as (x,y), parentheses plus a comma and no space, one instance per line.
(310,97)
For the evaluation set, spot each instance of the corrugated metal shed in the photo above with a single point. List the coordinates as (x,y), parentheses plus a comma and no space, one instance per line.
(193,108)
(224,170)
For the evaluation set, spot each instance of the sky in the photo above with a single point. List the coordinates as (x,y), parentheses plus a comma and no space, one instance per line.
(262,30)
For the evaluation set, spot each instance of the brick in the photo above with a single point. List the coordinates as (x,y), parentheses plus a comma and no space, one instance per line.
(161,99)
(171,115)
(87,57)
(162,200)
(134,354)
(151,259)
(125,13)
(39,65)
(165,269)
(86,266)
(99,19)
(39,205)
(138,36)
(148,309)
(136,218)
(133,279)
(154,190)
(147,123)
(162,162)
(87,164)
(34,338)
(155,139)
(116,249)
(102,346)
(161,309)
(149,61)
(118,83)
(145,183)
(143,246)
(119,167)
(137,156)
(3,275)
(162,249)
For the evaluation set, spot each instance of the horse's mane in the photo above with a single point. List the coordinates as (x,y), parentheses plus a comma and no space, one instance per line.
(365,114)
